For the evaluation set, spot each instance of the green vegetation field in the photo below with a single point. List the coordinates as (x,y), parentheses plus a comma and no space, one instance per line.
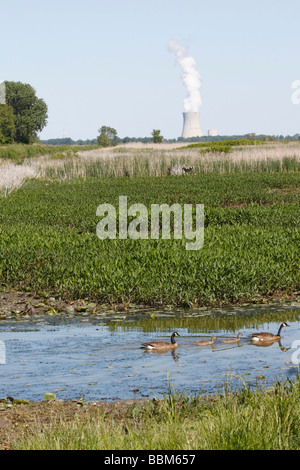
(48,240)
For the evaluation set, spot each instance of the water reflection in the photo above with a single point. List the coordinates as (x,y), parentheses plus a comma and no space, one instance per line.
(231,346)
(206,321)
(172,353)
(270,343)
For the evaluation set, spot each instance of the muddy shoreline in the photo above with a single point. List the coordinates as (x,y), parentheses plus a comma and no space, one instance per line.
(18,304)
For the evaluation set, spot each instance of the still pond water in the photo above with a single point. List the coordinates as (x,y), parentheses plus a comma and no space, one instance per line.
(99,357)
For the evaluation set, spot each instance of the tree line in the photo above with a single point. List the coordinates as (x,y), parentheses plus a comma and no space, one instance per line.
(23,115)
(145,140)
(107,137)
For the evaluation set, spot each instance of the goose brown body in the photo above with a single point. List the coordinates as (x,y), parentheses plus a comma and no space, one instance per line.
(205,342)
(161,344)
(232,340)
(268,336)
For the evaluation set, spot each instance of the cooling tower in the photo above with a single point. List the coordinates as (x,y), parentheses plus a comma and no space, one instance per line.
(191,125)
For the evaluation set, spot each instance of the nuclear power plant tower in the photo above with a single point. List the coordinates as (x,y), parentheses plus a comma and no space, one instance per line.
(191,125)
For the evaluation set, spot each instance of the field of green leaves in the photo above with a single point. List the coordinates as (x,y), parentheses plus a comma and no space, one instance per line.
(48,240)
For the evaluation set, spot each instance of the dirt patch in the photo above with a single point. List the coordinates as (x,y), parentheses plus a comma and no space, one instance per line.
(237,205)
(18,420)
(286,190)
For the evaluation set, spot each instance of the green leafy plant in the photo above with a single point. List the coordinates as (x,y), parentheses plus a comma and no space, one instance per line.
(48,240)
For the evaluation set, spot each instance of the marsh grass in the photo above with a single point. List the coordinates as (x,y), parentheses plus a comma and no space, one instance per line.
(156,162)
(13,176)
(20,162)
(253,419)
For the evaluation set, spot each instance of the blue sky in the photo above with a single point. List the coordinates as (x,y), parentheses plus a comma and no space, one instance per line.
(99,62)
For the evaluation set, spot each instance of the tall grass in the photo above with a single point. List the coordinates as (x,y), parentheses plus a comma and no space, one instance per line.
(13,176)
(67,163)
(152,162)
(249,419)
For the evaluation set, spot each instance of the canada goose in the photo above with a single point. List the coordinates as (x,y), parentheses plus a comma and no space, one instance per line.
(268,336)
(162,344)
(187,169)
(206,342)
(232,340)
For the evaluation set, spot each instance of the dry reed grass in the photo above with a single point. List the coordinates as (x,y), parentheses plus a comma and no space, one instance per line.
(147,160)
(13,176)
(137,159)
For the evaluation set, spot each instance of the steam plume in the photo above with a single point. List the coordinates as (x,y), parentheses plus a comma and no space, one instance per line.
(191,78)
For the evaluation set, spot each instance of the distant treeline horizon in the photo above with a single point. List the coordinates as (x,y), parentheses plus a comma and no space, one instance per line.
(125,140)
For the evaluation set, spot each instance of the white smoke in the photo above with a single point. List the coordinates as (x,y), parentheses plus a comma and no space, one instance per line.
(191,78)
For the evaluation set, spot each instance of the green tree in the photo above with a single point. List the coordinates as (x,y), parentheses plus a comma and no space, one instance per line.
(7,124)
(157,138)
(30,111)
(103,140)
(108,136)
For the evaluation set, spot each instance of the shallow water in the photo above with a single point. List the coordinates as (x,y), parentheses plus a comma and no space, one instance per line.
(101,359)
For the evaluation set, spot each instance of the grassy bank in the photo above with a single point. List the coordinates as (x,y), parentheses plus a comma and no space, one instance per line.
(251,248)
(253,420)
(19,152)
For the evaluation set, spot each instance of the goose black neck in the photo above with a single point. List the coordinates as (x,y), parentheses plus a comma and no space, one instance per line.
(280,328)
(173,341)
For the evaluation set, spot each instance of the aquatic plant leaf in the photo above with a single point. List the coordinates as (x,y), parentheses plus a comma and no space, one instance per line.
(49,396)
